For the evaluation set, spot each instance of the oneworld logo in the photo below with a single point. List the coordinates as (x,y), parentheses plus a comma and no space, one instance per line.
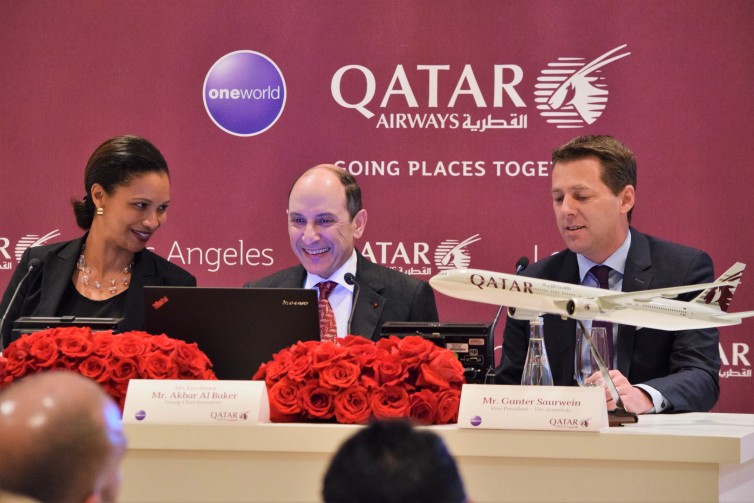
(244,93)
(571,92)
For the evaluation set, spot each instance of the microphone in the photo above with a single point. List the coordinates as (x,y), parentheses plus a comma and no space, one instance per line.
(351,280)
(33,264)
(521,264)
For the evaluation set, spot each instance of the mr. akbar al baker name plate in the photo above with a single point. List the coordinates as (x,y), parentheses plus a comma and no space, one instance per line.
(196,402)
(561,408)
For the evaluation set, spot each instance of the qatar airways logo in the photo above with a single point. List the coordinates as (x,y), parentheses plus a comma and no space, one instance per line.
(31,240)
(454,254)
(418,258)
(571,92)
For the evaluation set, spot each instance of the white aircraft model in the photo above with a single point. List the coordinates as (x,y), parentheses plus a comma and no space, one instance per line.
(527,298)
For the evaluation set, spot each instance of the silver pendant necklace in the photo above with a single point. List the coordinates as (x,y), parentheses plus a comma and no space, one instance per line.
(112,287)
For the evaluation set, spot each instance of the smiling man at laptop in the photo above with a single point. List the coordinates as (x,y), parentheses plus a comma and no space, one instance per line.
(325,218)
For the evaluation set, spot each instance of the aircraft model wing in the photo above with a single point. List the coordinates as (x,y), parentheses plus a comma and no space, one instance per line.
(733,316)
(615,300)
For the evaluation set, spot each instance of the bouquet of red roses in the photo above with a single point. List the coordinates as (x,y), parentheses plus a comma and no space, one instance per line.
(358,379)
(110,359)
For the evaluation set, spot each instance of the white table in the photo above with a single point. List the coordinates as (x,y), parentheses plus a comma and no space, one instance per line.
(684,457)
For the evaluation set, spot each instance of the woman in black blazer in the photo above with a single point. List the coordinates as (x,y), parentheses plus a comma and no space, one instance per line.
(102,274)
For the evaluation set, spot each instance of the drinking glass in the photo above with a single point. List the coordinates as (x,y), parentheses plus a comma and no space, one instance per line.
(585,364)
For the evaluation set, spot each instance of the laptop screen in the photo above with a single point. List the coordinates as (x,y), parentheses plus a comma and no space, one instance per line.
(237,328)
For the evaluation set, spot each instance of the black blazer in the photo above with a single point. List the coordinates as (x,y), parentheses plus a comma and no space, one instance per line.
(43,290)
(683,365)
(385,295)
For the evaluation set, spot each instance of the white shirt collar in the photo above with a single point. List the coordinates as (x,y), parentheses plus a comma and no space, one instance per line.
(338,276)
(616,261)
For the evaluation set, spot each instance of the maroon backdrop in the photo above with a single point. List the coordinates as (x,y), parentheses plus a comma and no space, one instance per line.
(76,73)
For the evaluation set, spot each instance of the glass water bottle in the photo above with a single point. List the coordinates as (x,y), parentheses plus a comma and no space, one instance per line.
(537,368)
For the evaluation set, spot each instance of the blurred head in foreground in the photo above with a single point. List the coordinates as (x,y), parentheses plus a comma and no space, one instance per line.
(392,462)
(61,439)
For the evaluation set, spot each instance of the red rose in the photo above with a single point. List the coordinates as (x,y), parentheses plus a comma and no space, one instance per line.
(316,400)
(278,367)
(364,355)
(284,401)
(17,365)
(389,402)
(158,366)
(163,343)
(95,367)
(198,363)
(300,367)
(64,364)
(340,374)
(300,348)
(354,341)
(423,407)
(389,344)
(352,405)
(45,351)
(368,382)
(415,349)
(76,344)
(260,374)
(102,343)
(129,345)
(190,360)
(92,355)
(447,409)
(443,370)
(324,355)
(125,369)
(26,340)
(390,370)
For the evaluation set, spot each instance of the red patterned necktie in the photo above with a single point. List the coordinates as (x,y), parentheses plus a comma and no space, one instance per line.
(328,331)
(602,272)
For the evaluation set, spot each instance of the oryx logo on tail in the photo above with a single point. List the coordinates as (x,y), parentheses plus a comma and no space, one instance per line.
(721,296)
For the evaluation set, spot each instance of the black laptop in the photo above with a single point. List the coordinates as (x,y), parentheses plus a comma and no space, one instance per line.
(237,328)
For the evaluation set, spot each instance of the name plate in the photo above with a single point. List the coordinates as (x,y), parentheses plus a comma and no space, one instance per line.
(561,408)
(196,402)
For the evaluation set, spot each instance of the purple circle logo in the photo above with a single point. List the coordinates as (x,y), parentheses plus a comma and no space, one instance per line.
(140,415)
(476,421)
(244,93)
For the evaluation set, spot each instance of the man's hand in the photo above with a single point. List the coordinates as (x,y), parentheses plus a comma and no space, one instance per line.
(634,399)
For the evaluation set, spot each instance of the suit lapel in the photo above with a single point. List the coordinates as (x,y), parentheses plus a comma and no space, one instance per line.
(58,273)
(371,303)
(562,340)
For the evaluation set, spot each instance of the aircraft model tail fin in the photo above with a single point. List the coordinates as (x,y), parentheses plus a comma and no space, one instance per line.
(720,296)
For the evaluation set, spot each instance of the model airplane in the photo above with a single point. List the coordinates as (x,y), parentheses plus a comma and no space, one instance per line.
(527,298)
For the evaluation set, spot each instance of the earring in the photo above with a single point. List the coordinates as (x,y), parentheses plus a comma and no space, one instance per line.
(100,211)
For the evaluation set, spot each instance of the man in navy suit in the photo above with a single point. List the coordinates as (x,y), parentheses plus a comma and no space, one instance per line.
(593,194)
(325,218)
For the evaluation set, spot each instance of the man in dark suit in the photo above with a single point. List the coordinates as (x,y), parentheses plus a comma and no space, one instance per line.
(325,218)
(593,191)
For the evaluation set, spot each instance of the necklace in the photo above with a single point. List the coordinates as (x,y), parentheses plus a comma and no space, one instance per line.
(113,287)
